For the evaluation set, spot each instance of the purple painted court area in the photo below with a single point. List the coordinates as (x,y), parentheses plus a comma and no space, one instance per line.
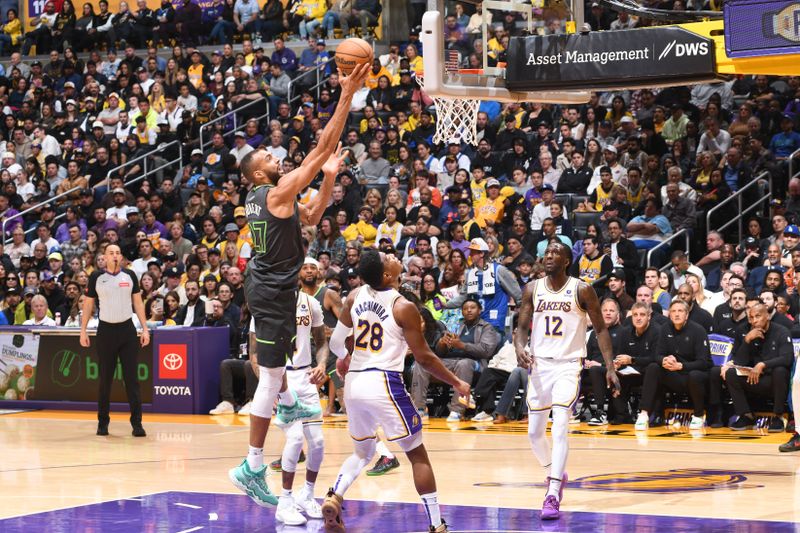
(184,512)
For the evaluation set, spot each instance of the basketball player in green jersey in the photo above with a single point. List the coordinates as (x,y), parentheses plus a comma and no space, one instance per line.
(274,217)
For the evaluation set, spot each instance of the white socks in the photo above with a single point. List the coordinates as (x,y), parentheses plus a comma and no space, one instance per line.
(255,458)
(383,451)
(431,504)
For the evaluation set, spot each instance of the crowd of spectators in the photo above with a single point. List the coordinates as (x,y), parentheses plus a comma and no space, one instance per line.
(612,179)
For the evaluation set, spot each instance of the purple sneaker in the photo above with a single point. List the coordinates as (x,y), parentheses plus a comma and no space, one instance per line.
(550,509)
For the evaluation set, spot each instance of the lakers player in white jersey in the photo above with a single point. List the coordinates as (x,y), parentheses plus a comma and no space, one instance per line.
(557,308)
(386,325)
(302,377)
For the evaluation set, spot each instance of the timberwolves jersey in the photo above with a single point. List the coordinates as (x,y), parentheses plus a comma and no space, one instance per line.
(277,243)
(559,322)
(378,341)
(309,315)
(327,315)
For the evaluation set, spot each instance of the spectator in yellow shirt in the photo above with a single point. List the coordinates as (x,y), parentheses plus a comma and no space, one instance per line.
(414,60)
(375,74)
(363,230)
(491,208)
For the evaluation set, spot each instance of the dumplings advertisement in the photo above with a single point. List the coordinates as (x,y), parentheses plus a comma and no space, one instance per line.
(18,356)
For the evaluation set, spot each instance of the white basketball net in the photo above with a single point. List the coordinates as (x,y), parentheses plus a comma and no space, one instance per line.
(456,118)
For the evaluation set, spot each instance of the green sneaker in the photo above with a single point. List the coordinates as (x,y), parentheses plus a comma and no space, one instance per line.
(253,484)
(383,465)
(296,411)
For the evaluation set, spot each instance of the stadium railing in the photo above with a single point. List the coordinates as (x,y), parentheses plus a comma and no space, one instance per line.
(233,114)
(743,211)
(684,232)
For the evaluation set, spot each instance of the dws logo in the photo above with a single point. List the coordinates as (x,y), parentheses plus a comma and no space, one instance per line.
(684,49)
(173,361)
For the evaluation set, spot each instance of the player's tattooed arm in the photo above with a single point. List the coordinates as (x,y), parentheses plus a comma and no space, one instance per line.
(317,374)
(524,326)
(587,297)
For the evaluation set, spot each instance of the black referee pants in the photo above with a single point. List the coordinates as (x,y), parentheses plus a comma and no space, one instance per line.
(118,341)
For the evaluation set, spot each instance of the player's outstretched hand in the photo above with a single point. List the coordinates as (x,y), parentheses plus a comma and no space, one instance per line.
(462,387)
(334,162)
(613,382)
(354,81)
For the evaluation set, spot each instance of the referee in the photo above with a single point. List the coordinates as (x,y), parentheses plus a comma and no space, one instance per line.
(117,293)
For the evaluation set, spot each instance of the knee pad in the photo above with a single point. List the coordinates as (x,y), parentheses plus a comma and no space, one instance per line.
(316,445)
(269,384)
(292,448)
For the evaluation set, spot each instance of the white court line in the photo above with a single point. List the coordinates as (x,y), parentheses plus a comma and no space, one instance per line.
(190,506)
(191,529)
(134,499)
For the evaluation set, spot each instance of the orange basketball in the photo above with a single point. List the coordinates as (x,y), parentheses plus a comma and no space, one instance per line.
(351,53)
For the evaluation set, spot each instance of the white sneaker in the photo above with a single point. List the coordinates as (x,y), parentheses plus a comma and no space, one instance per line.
(308,505)
(482,417)
(698,422)
(245,410)
(642,422)
(600,420)
(454,417)
(574,419)
(223,408)
(289,513)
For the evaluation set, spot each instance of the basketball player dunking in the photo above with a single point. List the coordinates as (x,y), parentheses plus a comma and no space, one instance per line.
(557,306)
(386,326)
(274,217)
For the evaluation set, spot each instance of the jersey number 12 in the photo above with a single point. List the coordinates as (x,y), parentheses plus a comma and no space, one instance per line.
(552,326)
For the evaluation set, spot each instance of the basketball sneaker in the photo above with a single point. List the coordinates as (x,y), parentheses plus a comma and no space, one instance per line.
(253,484)
(642,422)
(306,502)
(550,508)
(454,417)
(383,465)
(742,423)
(332,513)
(245,410)
(775,424)
(296,411)
(102,429)
(289,513)
(138,431)
(441,528)
(598,420)
(793,445)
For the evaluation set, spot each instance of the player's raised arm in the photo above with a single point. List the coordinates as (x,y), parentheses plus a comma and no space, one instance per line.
(407,317)
(589,301)
(311,213)
(524,317)
(295,181)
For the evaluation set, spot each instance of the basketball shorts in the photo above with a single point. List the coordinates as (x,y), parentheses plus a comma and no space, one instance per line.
(298,382)
(274,311)
(378,398)
(554,383)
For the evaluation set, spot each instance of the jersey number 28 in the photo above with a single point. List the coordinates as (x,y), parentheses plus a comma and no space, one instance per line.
(370,336)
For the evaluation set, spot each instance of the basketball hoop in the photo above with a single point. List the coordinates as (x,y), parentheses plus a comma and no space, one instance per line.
(456,118)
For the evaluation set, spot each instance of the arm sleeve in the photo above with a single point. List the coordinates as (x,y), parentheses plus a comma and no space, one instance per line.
(338,337)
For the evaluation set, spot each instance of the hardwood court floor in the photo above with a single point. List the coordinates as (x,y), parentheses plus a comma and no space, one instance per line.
(52,460)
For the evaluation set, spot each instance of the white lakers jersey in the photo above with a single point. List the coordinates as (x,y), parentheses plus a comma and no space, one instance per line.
(378,341)
(559,322)
(309,314)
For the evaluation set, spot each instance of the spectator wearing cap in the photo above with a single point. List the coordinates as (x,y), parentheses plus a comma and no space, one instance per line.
(617,291)
(454,150)
(465,352)
(542,210)
(619,174)
(492,284)
(233,238)
(11,300)
(23,312)
(214,264)
(490,210)
(241,148)
(363,230)
(787,141)
(50,286)
(172,281)
(118,212)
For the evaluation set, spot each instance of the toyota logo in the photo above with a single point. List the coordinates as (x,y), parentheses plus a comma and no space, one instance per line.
(173,361)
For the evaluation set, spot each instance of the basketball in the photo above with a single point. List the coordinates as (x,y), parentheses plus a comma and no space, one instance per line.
(352,53)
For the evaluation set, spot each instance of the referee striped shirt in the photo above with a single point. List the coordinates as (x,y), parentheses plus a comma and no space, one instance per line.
(113,294)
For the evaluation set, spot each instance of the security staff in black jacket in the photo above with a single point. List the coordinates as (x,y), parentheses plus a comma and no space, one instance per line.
(766,347)
(637,346)
(681,363)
